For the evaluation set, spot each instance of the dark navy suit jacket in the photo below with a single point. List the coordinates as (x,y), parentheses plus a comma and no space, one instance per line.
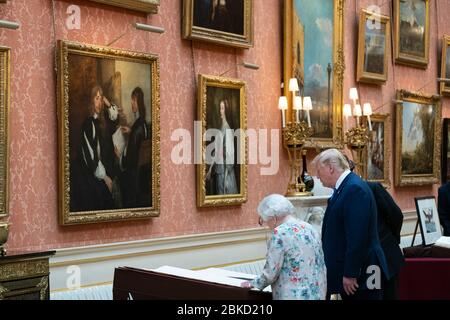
(350,236)
(390,221)
(444,207)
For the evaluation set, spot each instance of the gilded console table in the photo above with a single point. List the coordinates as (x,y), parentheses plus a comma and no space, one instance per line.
(25,275)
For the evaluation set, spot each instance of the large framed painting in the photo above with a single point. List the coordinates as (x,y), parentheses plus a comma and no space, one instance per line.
(5,60)
(373,47)
(445,168)
(412,32)
(445,66)
(314,54)
(108,130)
(224,22)
(418,139)
(378,150)
(222,112)
(149,6)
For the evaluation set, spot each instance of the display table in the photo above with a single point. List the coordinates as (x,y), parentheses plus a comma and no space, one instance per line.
(426,274)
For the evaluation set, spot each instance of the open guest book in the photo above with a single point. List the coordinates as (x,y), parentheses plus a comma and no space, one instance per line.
(169,282)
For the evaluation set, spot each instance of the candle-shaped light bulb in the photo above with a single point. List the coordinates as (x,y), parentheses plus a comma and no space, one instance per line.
(357,112)
(354,94)
(283,105)
(367,111)
(293,85)
(307,105)
(347,112)
(297,107)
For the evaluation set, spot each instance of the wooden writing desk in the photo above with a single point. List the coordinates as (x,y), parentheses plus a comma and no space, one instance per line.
(138,284)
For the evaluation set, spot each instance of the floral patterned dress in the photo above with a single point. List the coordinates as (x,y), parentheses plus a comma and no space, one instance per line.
(295,265)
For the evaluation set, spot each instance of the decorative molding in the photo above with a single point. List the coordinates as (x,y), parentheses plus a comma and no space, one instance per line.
(148,6)
(23,269)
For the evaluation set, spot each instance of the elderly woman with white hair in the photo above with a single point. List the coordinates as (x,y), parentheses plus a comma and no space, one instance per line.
(295,266)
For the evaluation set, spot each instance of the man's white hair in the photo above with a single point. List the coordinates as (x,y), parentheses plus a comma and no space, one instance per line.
(275,205)
(331,157)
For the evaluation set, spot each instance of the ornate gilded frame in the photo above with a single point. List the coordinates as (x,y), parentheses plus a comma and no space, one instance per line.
(445,86)
(66,217)
(148,6)
(338,72)
(385,119)
(194,32)
(205,82)
(445,164)
(403,179)
(405,58)
(361,74)
(5,71)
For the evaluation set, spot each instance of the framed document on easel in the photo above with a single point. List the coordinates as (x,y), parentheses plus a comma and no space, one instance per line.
(428,220)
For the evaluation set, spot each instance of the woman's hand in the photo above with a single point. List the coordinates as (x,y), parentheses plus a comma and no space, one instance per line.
(246,284)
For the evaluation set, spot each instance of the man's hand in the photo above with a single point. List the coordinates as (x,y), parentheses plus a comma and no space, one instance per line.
(350,285)
(106,101)
(109,183)
(125,129)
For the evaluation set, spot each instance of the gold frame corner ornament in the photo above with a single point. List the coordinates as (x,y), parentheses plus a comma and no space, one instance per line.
(191,32)
(417,179)
(444,87)
(365,76)
(5,82)
(148,6)
(65,216)
(204,200)
(336,140)
(406,58)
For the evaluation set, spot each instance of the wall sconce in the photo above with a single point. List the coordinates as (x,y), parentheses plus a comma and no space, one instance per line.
(295,135)
(357,137)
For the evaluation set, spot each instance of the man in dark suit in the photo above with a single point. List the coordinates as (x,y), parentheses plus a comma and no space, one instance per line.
(444,207)
(354,258)
(390,220)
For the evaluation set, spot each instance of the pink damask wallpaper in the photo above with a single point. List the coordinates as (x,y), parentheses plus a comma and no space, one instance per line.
(33,134)
(33,120)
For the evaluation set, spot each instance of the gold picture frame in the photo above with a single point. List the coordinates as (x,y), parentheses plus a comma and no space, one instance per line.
(224,22)
(417,139)
(373,47)
(222,112)
(378,151)
(148,6)
(445,66)
(109,166)
(412,33)
(5,74)
(322,26)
